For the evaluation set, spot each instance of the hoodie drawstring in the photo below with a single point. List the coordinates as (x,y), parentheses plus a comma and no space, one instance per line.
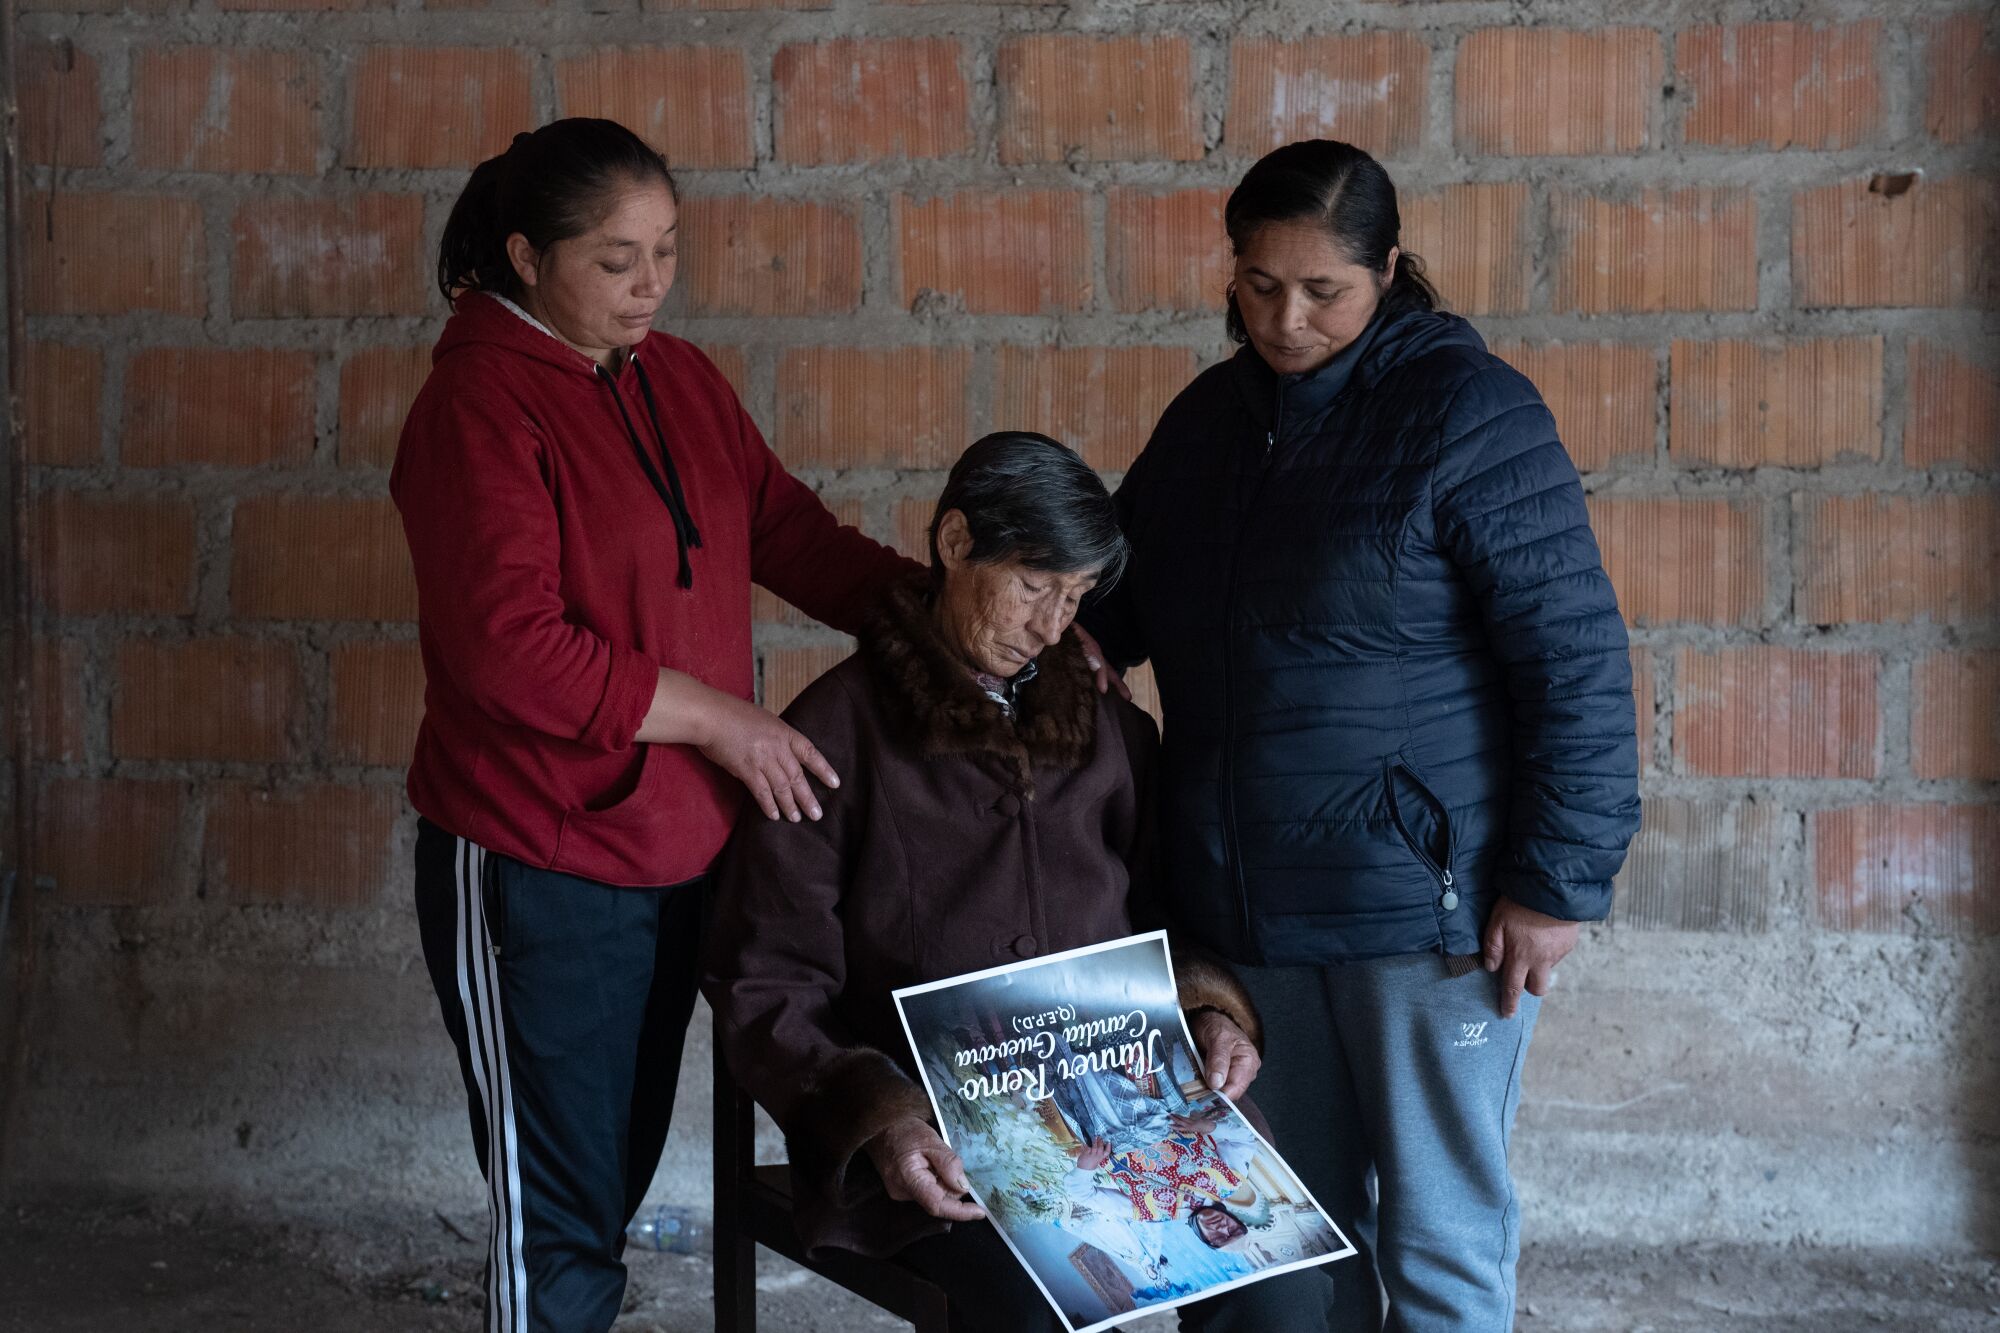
(685,533)
(673,474)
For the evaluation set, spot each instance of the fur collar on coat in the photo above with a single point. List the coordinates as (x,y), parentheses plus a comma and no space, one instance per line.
(930,693)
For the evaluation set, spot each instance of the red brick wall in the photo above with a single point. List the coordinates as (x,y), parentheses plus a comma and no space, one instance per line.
(908,223)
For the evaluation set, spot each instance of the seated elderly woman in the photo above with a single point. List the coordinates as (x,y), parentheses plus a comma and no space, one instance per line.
(993,807)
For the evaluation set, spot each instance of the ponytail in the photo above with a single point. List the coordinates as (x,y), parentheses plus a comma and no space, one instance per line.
(1410,288)
(473,254)
(550,185)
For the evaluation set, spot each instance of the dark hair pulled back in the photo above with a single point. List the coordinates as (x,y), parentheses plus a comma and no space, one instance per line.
(550,185)
(1032,500)
(1344,190)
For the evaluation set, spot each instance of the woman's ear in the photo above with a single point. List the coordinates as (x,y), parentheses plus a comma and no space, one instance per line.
(954,539)
(1389,266)
(524,259)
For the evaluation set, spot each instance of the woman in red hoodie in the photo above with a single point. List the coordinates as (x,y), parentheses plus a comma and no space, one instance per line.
(587,505)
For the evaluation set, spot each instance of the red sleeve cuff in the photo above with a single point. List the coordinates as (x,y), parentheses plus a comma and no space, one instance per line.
(628,694)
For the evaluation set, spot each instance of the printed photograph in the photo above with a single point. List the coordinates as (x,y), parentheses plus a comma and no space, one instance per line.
(1122,1181)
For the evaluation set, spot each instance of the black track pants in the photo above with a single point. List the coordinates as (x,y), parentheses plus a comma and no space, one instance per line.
(568,1001)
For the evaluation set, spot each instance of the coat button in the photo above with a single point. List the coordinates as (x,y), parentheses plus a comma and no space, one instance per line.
(1008,805)
(1024,945)
(1449,902)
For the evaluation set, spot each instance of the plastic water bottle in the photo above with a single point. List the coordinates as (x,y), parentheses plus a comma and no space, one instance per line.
(670,1229)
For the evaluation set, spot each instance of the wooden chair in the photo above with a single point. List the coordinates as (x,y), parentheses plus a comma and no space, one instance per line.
(753,1206)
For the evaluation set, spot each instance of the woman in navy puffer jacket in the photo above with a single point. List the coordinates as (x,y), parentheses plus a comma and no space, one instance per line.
(1399,726)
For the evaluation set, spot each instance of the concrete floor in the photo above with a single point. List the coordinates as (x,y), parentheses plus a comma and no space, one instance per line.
(116,1269)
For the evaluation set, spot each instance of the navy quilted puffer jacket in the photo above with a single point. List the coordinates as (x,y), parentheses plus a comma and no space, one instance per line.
(1394,675)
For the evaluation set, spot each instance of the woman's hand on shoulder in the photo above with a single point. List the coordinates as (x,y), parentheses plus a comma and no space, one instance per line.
(917,1166)
(1101,670)
(761,751)
(752,745)
(1229,1057)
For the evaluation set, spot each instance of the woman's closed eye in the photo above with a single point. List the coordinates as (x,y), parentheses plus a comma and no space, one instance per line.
(1318,295)
(626,267)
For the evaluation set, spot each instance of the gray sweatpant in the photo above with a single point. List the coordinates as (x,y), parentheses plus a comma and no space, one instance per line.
(1392,1073)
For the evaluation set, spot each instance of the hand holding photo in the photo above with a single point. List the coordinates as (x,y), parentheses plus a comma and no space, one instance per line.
(1090,1134)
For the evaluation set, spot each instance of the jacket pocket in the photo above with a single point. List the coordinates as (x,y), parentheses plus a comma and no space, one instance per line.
(613,818)
(1403,786)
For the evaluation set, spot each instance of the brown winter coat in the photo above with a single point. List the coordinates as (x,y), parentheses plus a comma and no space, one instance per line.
(958,840)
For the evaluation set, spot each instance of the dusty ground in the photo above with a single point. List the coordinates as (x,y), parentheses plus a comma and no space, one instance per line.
(120,1269)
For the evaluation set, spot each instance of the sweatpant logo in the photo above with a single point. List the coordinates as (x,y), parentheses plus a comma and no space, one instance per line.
(1471,1034)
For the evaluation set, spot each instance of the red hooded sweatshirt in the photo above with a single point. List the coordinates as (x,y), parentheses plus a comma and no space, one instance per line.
(557,573)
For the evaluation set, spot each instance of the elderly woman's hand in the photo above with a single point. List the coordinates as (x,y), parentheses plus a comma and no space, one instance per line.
(1093,1155)
(918,1167)
(1228,1056)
